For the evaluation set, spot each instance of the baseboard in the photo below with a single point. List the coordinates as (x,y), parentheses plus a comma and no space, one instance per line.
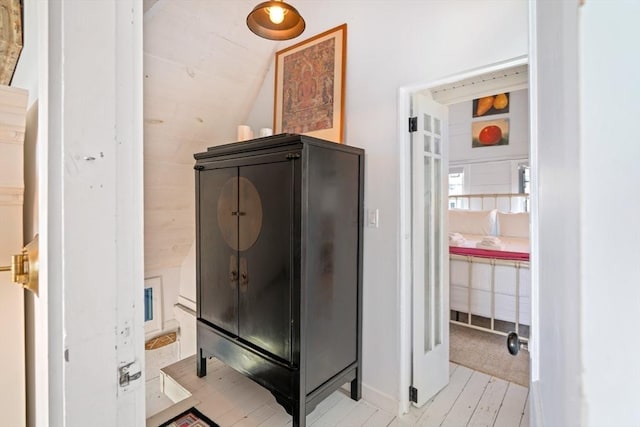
(381,400)
(535,405)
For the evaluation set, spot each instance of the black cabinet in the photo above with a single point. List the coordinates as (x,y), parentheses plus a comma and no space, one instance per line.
(279,265)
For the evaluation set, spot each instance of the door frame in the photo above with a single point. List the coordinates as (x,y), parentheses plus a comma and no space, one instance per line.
(405,249)
(64,159)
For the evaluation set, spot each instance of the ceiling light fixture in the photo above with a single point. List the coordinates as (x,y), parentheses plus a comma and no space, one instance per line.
(275,20)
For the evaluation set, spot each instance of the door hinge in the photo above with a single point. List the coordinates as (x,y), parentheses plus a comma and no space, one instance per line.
(198,167)
(413,124)
(413,394)
(293,156)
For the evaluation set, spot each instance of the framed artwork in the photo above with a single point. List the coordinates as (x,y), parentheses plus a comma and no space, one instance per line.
(10,38)
(309,86)
(488,133)
(152,306)
(489,105)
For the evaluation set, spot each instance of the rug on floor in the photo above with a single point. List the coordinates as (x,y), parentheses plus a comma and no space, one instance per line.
(487,352)
(190,418)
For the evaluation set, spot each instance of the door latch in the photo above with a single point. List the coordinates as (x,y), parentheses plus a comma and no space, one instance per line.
(129,372)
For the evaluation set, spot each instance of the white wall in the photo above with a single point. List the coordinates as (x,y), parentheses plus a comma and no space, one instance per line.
(390,45)
(460,119)
(187,288)
(609,172)
(490,169)
(492,176)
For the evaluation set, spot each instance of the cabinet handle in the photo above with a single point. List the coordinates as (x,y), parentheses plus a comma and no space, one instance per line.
(233,271)
(244,276)
(236,213)
(293,156)
(244,283)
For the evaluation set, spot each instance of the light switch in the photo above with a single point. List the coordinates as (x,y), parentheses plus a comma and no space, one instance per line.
(372,218)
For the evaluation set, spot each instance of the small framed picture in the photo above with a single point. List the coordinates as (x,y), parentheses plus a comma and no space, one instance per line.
(489,133)
(490,105)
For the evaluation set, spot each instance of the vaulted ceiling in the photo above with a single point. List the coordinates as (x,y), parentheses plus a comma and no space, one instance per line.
(203,69)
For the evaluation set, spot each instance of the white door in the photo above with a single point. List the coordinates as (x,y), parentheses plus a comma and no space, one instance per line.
(13,104)
(430,258)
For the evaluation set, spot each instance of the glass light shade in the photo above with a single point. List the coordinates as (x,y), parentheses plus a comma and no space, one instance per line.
(261,21)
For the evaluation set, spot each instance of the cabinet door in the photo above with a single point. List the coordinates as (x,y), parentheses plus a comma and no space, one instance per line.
(265,256)
(217,248)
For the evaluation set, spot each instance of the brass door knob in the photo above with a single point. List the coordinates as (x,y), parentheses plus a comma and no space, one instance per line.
(24,267)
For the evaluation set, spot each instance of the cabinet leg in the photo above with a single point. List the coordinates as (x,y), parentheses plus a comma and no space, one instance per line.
(356,386)
(201,365)
(299,415)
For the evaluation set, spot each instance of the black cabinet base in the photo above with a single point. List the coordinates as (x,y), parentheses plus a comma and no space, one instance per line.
(285,382)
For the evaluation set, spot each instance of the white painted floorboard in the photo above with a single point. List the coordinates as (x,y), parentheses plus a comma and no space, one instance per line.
(227,397)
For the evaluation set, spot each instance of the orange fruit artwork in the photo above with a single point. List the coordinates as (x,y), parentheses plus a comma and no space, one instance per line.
(490,135)
(484,105)
(501,101)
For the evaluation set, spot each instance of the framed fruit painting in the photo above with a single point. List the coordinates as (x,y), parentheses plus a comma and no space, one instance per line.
(489,133)
(492,104)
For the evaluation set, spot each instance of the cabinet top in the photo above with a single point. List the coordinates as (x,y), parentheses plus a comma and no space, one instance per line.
(274,142)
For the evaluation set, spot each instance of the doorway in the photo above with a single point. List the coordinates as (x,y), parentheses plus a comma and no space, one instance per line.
(502,77)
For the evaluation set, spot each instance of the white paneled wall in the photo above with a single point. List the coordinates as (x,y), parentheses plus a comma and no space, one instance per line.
(491,176)
(490,169)
(460,119)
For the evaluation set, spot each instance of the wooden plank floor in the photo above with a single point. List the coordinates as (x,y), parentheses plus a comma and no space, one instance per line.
(227,397)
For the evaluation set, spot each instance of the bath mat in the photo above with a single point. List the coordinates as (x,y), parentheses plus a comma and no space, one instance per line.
(190,418)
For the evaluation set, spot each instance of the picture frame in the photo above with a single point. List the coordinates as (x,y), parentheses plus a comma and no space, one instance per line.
(152,306)
(309,86)
(489,105)
(489,133)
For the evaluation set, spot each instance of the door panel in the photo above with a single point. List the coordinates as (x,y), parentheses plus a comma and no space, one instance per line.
(429,153)
(218,243)
(266,206)
(12,358)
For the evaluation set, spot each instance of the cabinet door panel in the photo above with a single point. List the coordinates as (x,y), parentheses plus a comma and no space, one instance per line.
(265,256)
(218,242)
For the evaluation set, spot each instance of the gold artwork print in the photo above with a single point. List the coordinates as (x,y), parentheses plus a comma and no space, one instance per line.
(308,89)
